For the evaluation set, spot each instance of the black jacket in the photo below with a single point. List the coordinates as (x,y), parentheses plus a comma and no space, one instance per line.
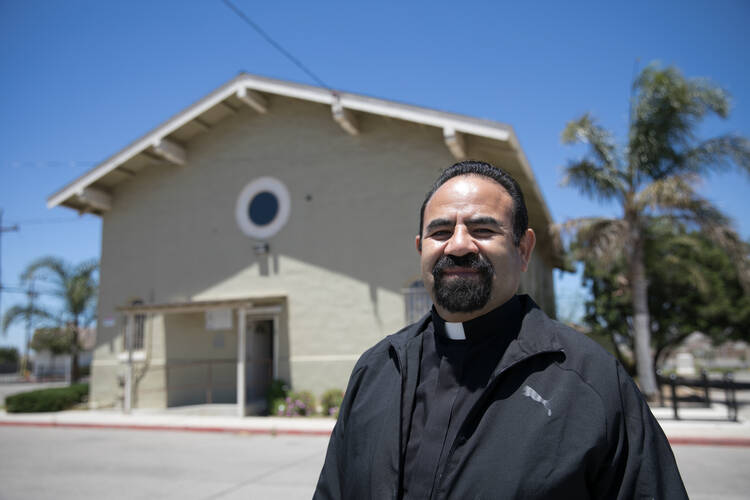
(560,418)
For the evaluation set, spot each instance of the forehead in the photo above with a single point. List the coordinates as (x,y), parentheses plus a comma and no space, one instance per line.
(469,195)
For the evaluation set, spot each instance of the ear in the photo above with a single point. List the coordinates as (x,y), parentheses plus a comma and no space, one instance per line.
(525,247)
(418,244)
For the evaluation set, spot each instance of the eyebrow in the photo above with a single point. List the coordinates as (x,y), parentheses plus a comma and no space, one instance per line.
(475,221)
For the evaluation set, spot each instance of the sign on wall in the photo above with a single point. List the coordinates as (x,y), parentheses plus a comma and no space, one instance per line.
(219,319)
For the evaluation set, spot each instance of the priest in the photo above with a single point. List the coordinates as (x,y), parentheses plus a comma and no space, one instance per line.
(486,396)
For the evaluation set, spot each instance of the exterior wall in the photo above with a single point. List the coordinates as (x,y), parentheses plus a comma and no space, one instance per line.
(538,282)
(341,261)
(109,364)
(199,361)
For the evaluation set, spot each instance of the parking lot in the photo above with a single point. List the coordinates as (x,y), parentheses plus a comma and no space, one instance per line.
(67,464)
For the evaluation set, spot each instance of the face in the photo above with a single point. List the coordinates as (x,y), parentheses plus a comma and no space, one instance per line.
(470,264)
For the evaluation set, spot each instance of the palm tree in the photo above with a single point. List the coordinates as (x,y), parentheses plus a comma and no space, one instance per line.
(654,175)
(75,285)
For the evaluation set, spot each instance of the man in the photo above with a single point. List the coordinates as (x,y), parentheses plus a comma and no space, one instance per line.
(486,397)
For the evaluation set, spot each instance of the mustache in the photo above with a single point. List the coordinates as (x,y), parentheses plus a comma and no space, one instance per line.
(473,261)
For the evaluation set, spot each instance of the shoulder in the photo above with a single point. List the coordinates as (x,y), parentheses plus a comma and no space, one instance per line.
(582,356)
(390,346)
(576,345)
(539,331)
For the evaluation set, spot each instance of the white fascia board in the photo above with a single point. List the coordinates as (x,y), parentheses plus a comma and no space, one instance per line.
(381,107)
(144,143)
(530,175)
(353,102)
(425,117)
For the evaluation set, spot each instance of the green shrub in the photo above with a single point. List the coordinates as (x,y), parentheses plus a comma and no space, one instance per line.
(44,400)
(277,407)
(331,402)
(277,390)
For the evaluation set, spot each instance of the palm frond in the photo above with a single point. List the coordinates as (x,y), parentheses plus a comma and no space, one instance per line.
(592,180)
(667,108)
(597,238)
(56,270)
(675,196)
(29,313)
(585,130)
(716,154)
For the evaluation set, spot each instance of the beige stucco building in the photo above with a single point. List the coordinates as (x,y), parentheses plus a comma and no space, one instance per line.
(267,231)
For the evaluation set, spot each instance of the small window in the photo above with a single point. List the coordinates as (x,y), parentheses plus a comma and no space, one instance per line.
(138,332)
(139,323)
(417,301)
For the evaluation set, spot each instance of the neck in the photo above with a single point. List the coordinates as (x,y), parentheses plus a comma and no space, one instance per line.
(461,317)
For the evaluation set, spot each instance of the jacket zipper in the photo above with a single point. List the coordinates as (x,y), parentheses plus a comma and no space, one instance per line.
(475,409)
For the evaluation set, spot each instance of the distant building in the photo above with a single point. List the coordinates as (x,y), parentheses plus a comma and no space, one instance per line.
(267,231)
(48,365)
(729,355)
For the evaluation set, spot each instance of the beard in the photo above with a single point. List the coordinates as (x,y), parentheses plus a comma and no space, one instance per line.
(463,293)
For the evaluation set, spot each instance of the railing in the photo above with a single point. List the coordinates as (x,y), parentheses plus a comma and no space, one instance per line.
(195,381)
(704,384)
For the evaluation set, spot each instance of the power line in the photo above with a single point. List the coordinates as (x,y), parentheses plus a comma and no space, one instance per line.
(57,220)
(275,44)
(22,290)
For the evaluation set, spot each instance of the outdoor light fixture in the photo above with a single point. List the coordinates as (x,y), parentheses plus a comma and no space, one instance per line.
(261,248)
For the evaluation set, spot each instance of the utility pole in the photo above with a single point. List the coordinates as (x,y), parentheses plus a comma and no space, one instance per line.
(31,295)
(3,229)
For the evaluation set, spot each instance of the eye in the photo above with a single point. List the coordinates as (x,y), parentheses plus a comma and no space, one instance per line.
(440,234)
(483,231)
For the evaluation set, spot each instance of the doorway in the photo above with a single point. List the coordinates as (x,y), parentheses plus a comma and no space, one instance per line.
(259,358)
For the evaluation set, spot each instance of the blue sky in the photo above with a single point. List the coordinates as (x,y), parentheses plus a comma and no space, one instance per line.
(81,79)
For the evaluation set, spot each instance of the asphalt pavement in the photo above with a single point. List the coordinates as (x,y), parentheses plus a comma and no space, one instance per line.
(63,463)
(206,452)
(73,464)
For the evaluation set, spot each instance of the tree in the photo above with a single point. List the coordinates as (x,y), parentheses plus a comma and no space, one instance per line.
(30,314)
(54,339)
(693,286)
(8,359)
(76,287)
(654,174)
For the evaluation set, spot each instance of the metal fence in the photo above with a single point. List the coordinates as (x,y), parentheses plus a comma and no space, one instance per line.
(703,384)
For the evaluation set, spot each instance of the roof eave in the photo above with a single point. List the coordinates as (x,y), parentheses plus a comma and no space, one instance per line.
(354,102)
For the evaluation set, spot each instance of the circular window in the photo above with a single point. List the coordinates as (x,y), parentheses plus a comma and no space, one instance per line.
(263,208)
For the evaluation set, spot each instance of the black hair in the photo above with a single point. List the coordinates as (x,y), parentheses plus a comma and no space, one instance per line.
(471,167)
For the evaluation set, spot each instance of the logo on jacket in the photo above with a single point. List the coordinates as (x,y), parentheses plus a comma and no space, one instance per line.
(531,393)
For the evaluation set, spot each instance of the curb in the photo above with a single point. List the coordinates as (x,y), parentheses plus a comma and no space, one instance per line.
(274,431)
(180,428)
(707,441)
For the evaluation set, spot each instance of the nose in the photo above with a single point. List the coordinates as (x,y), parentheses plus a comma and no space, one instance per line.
(461,243)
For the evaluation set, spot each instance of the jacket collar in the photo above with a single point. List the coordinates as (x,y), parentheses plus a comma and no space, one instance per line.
(535,337)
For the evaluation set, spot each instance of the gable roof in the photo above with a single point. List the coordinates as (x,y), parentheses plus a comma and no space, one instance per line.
(91,192)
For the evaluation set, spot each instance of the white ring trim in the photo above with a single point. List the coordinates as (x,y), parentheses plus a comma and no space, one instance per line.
(259,185)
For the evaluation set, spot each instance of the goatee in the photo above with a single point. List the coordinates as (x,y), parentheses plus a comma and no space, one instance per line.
(463,293)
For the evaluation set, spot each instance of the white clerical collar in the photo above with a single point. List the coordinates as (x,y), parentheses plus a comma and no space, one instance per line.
(455,331)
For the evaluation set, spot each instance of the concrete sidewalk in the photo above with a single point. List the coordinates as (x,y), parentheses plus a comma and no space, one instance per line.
(706,426)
